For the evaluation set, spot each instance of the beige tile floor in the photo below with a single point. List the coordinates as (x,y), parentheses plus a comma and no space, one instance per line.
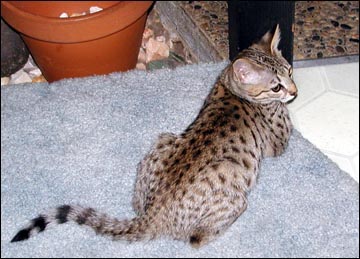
(326,111)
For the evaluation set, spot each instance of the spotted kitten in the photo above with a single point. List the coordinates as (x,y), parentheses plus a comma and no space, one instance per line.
(193,186)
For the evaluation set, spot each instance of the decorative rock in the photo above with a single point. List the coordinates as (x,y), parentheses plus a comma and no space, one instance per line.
(20,77)
(5,80)
(148,33)
(31,69)
(160,38)
(345,26)
(311,8)
(77,14)
(63,15)
(33,72)
(156,50)
(14,53)
(38,79)
(142,56)
(339,49)
(335,23)
(141,66)
(94,9)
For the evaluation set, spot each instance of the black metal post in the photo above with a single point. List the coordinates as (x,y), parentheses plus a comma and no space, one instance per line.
(250,20)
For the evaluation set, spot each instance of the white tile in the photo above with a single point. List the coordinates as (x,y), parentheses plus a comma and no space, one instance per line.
(310,84)
(343,162)
(331,122)
(355,162)
(343,77)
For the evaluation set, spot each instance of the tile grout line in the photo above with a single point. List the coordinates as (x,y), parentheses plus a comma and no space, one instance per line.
(355,168)
(312,98)
(328,89)
(353,172)
(349,158)
(344,93)
(339,154)
(326,83)
(331,89)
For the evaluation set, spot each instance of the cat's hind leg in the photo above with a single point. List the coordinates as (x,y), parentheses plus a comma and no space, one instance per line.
(149,171)
(225,185)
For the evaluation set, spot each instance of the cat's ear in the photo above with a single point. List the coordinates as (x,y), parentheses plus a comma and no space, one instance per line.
(270,42)
(275,41)
(266,39)
(245,72)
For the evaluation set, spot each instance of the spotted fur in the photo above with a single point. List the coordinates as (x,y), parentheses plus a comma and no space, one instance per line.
(273,63)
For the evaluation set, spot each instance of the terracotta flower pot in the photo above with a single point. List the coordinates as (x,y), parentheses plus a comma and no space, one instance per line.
(92,44)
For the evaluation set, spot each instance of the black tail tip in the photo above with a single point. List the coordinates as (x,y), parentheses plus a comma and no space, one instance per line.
(21,235)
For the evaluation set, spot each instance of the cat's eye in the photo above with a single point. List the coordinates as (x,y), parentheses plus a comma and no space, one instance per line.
(276,88)
(290,71)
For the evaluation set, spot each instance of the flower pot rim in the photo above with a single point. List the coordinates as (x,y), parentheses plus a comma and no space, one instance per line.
(92,26)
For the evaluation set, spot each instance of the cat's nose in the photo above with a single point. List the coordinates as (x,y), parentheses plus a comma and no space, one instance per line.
(292,90)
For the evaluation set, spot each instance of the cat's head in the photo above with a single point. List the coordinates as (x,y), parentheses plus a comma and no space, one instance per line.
(261,74)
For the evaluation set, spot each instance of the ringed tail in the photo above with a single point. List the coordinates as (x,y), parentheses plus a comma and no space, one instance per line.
(130,230)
